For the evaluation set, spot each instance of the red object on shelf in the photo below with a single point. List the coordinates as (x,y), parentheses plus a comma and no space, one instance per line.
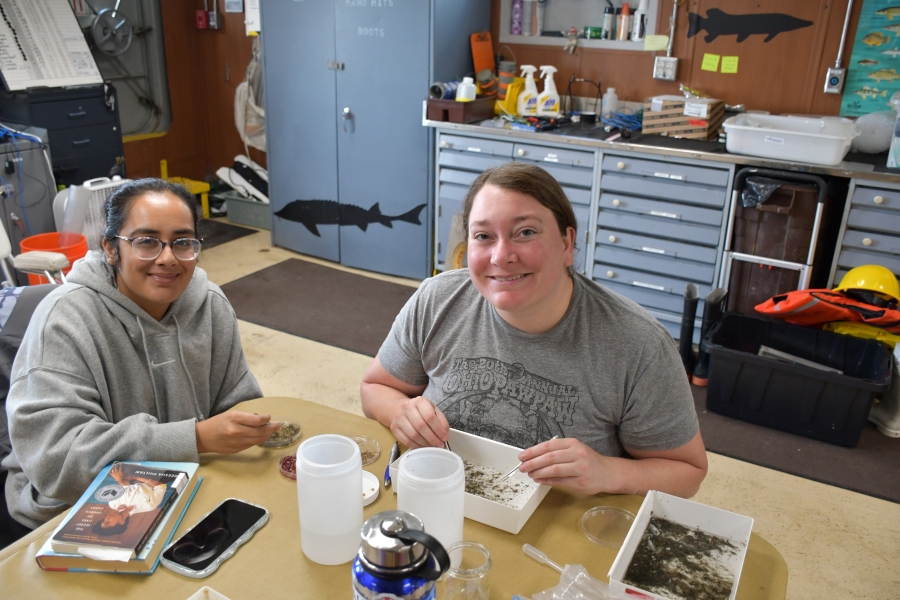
(202,19)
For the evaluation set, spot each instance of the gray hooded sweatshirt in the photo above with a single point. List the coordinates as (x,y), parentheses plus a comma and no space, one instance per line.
(97,379)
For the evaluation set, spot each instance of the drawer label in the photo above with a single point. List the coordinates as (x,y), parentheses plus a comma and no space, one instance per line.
(657,213)
(552,159)
(653,250)
(649,286)
(471,149)
(774,140)
(663,175)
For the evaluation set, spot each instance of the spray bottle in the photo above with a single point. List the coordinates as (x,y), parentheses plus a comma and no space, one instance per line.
(526,105)
(639,22)
(548,101)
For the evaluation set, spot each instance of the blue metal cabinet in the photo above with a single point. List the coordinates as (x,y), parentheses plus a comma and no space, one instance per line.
(349,167)
(870,230)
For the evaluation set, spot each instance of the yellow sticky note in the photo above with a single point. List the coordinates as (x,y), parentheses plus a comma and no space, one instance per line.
(729,64)
(710,62)
(656,42)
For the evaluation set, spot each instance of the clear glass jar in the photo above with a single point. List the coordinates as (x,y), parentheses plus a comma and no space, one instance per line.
(469,575)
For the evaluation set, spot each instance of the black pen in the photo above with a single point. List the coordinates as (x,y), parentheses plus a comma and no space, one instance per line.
(395,452)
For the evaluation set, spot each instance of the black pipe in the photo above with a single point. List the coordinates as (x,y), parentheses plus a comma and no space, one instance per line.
(686,339)
(713,309)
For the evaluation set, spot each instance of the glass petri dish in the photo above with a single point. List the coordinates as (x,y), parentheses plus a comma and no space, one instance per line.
(288,466)
(606,525)
(369,449)
(289,433)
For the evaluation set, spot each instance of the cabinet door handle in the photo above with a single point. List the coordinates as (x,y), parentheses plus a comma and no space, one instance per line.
(878,199)
(620,165)
(347,116)
(616,202)
(84,142)
(77,115)
(610,274)
(612,239)
(521,152)
(444,144)
(867,241)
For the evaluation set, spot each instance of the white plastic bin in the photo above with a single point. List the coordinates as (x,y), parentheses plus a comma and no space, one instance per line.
(817,140)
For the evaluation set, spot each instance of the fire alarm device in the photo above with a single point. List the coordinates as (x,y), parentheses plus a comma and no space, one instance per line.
(202,19)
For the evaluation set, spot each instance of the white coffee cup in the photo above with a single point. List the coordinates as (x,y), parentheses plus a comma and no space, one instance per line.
(431,484)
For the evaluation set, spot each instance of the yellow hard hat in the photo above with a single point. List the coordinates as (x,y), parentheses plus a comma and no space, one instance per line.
(874,278)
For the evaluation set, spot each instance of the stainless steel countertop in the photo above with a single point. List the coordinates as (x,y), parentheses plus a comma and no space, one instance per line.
(858,170)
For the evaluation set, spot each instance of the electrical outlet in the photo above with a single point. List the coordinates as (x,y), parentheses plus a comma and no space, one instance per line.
(215,19)
(834,80)
(665,67)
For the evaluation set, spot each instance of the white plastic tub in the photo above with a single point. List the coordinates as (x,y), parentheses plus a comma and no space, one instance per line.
(822,140)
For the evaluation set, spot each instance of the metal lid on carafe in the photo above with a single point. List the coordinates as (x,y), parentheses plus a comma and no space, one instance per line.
(386,554)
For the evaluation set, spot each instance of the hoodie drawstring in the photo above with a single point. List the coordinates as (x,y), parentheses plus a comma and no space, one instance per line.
(186,370)
(160,416)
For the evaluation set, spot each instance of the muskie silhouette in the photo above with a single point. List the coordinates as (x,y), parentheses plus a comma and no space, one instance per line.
(328,212)
(719,23)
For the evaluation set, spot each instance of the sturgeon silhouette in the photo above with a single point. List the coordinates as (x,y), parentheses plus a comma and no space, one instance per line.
(310,213)
(719,23)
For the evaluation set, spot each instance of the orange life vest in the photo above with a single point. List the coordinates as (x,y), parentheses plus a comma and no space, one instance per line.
(816,307)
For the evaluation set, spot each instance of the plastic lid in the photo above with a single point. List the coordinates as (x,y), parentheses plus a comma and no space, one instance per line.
(369,449)
(288,466)
(370,488)
(289,433)
(606,525)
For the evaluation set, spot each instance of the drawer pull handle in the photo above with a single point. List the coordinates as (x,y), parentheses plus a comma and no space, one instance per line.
(84,142)
(878,199)
(77,115)
(652,250)
(616,202)
(867,241)
(444,144)
(612,239)
(471,149)
(521,152)
(620,165)
(610,274)
(649,286)
(552,159)
(657,213)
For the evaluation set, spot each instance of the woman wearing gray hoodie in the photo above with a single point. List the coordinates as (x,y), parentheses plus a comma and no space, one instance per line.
(137,357)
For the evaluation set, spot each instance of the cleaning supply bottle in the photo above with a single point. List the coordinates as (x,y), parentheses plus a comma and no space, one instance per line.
(526,105)
(466,90)
(639,22)
(610,101)
(623,27)
(548,101)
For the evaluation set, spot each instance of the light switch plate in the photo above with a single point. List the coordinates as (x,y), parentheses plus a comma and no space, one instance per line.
(665,67)
(834,80)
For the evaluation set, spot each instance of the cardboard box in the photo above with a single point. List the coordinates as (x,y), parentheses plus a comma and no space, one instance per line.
(676,116)
(489,453)
(731,526)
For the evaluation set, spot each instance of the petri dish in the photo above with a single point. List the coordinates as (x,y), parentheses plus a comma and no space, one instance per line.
(369,488)
(288,466)
(606,525)
(369,449)
(289,433)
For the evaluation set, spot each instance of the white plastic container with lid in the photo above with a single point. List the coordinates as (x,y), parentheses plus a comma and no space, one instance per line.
(817,140)
(329,480)
(548,100)
(527,103)
(431,484)
(466,90)
(610,101)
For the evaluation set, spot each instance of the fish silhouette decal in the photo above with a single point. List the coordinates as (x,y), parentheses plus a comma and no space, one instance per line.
(718,23)
(311,213)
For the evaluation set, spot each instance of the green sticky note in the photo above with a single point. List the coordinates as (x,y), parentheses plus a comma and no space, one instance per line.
(656,42)
(729,64)
(710,62)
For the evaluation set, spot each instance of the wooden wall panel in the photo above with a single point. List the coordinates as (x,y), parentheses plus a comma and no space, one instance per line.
(784,75)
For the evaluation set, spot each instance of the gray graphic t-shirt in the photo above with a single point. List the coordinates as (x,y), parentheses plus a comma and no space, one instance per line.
(608,374)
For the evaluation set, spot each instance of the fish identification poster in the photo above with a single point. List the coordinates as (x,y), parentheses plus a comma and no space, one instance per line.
(873,74)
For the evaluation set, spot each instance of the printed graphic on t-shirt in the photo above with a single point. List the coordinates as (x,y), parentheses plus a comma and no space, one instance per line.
(506,403)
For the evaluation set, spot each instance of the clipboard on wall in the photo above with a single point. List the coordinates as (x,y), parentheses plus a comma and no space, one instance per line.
(483,52)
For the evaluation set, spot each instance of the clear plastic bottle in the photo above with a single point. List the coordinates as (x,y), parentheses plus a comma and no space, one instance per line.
(466,90)
(610,101)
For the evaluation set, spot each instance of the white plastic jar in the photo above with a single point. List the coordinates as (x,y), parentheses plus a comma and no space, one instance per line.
(431,484)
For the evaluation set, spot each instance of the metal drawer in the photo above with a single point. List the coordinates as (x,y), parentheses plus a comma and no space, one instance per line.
(78,112)
(664,189)
(644,261)
(469,161)
(641,243)
(665,170)
(656,208)
(78,141)
(874,219)
(451,191)
(874,242)
(850,258)
(661,226)
(876,198)
(476,145)
(651,298)
(577,196)
(454,176)
(567,175)
(554,155)
(650,281)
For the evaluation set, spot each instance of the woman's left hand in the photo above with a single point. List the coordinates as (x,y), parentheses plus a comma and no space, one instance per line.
(569,463)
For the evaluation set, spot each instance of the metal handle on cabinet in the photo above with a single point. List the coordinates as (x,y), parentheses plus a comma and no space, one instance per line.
(612,239)
(610,274)
(878,199)
(444,144)
(867,241)
(521,152)
(77,115)
(616,202)
(620,165)
(347,117)
(83,142)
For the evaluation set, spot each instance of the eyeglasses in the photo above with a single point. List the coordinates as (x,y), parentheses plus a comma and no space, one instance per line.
(149,248)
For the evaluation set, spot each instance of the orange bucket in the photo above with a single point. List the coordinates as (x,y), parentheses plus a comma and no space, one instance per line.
(49,242)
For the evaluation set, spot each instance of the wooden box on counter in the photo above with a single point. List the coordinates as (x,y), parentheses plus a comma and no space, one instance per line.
(674,116)
(478,109)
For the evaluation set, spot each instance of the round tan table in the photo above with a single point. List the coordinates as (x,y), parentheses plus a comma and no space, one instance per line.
(272,565)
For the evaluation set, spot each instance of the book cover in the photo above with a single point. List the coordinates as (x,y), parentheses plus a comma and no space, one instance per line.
(144,563)
(119,512)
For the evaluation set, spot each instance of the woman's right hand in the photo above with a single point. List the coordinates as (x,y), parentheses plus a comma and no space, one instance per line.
(233,431)
(418,423)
